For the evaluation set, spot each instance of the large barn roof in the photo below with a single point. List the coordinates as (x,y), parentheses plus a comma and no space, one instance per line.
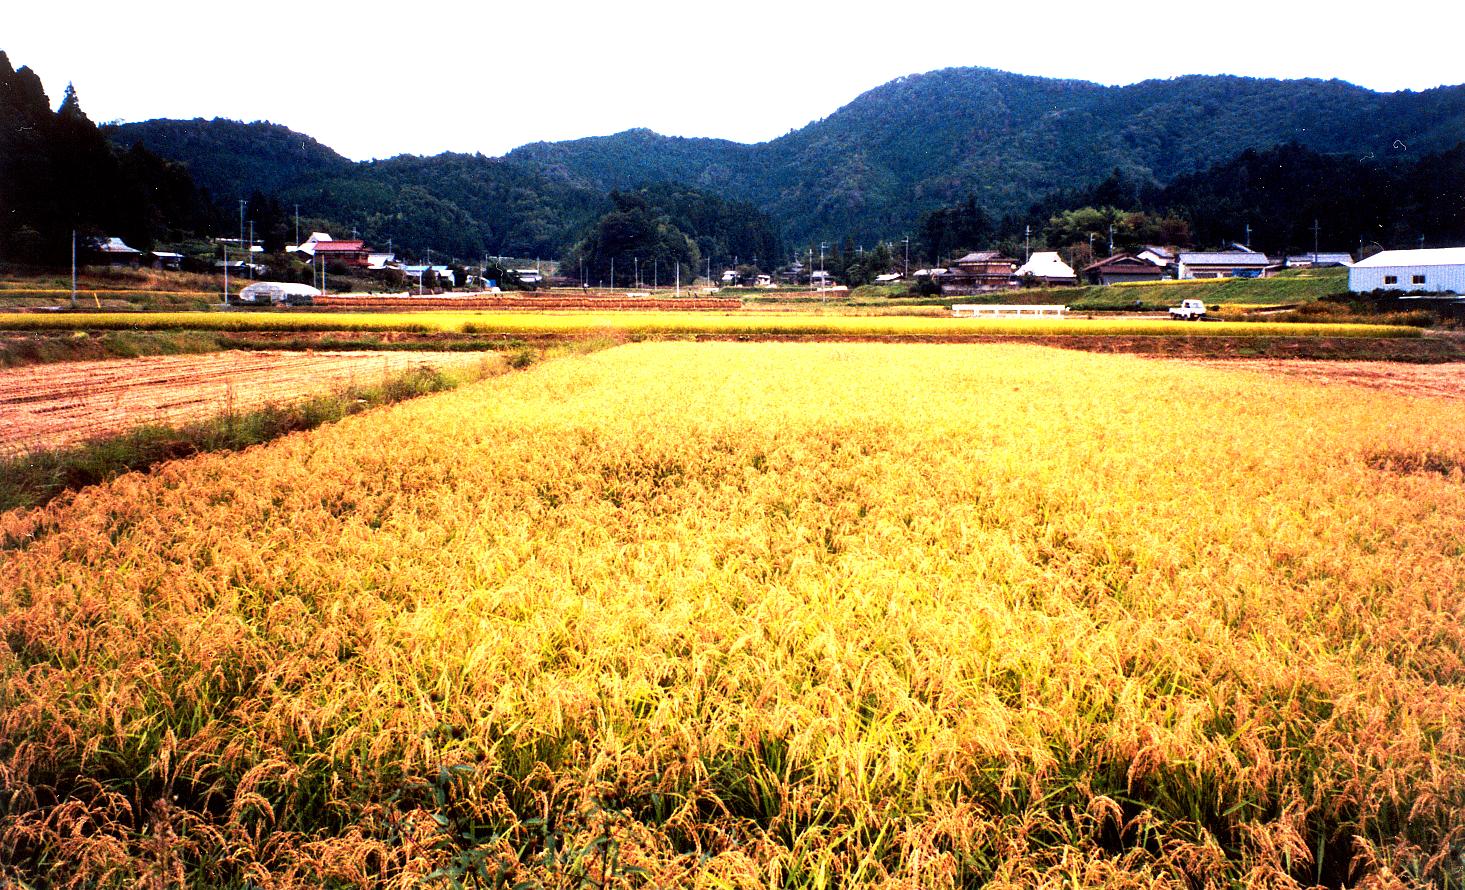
(1225,258)
(1435,256)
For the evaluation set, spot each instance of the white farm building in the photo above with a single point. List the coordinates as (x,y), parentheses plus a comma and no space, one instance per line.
(1437,270)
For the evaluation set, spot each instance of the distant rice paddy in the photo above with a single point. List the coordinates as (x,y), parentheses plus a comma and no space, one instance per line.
(672,324)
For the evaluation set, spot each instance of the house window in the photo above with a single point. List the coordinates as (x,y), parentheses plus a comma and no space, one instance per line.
(1418,279)
(1391,279)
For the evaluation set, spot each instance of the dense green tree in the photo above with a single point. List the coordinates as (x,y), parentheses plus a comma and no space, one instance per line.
(626,240)
(951,231)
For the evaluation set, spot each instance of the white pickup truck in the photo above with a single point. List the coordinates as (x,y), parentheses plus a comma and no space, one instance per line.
(1189,310)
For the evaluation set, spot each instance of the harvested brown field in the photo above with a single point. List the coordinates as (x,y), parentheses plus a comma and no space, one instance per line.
(50,406)
(1441,381)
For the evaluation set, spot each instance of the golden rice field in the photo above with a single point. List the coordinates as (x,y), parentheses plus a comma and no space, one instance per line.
(760,615)
(749,324)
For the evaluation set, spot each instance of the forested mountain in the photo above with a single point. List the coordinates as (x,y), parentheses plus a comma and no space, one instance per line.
(59,175)
(233,159)
(870,170)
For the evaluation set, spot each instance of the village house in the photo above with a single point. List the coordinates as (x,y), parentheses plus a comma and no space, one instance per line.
(981,270)
(347,253)
(1163,257)
(1046,267)
(1121,268)
(307,246)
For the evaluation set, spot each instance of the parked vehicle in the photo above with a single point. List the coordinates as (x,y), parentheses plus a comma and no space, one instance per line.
(1189,310)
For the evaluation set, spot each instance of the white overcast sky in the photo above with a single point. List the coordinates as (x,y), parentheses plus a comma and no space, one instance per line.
(375,80)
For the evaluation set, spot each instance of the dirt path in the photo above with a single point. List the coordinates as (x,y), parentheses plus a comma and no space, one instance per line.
(1441,380)
(48,406)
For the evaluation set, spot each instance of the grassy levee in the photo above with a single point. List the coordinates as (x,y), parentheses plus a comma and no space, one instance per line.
(44,347)
(34,478)
(673,324)
(1289,286)
(753,615)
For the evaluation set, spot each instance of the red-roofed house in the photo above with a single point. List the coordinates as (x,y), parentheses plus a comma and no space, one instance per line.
(347,253)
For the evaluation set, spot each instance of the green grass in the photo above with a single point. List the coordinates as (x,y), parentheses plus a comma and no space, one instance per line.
(38,349)
(1291,286)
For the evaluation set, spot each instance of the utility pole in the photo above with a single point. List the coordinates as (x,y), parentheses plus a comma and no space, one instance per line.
(1248,236)
(73,268)
(1314,243)
(679,278)
(225,244)
(612,273)
(251,250)
(297,225)
(636,261)
(1111,239)
(241,222)
(907,240)
(1027,237)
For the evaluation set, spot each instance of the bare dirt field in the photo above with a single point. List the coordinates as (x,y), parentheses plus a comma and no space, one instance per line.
(1439,380)
(54,405)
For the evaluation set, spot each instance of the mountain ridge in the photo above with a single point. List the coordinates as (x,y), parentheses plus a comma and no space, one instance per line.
(870,168)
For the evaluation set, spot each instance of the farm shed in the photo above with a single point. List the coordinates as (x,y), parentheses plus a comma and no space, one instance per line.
(1435,270)
(1224,264)
(1048,268)
(167,259)
(113,251)
(1319,260)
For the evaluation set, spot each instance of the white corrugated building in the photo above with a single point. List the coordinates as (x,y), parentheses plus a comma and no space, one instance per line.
(1435,270)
